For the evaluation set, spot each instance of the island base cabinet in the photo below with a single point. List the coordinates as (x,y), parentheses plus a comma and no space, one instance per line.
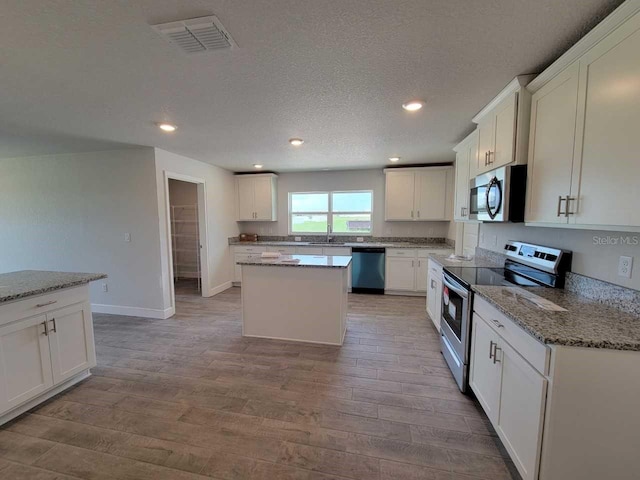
(71,341)
(25,363)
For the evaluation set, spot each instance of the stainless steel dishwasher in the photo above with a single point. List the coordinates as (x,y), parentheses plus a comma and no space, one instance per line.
(367,270)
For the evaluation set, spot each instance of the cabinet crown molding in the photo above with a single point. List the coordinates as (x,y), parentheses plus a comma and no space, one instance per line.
(417,169)
(465,142)
(600,31)
(252,175)
(514,86)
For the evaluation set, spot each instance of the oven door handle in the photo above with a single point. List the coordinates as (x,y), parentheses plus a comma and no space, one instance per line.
(456,288)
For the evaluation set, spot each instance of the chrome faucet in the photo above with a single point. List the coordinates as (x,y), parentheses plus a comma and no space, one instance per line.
(329,238)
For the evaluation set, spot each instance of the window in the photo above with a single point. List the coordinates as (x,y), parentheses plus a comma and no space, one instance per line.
(346,212)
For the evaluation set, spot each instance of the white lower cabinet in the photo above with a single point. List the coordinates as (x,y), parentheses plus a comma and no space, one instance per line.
(41,352)
(407,271)
(400,274)
(434,292)
(25,362)
(510,390)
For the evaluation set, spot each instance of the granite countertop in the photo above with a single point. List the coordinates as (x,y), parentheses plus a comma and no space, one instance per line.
(586,323)
(27,283)
(266,243)
(313,261)
(475,262)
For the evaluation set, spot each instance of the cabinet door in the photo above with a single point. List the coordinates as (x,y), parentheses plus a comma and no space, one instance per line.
(421,274)
(606,183)
(237,277)
(553,126)
(522,402)
(25,362)
(434,295)
(486,143)
(246,198)
(472,157)
(263,197)
(400,274)
(71,341)
(505,132)
(485,373)
(399,196)
(431,195)
(462,185)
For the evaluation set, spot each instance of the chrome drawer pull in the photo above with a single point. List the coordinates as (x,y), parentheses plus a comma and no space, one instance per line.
(560,200)
(55,328)
(497,323)
(495,354)
(491,345)
(40,305)
(46,329)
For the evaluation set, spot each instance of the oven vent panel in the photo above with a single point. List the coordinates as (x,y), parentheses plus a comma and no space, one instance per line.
(197,35)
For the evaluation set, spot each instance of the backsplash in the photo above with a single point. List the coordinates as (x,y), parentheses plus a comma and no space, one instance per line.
(625,299)
(352,239)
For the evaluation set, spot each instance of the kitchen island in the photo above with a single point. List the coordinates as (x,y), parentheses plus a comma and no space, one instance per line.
(300,298)
(46,336)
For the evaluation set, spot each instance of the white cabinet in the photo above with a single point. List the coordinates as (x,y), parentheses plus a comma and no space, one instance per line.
(503,127)
(309,251)
(407,270)
(553,126)
(417,194)
(400,273)
(510,390)
(584,167)
(71,341)
(434,292)
(43,351)
(257,197)
(242,252)
(25,362)
(466,165)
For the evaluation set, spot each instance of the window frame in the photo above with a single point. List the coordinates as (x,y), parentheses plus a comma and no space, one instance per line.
(329,213)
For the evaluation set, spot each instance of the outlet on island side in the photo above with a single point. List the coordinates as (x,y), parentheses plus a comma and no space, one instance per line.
(105,287)
(625,266)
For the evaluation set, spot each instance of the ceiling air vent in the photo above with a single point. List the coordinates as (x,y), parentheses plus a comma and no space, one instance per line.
(197,35)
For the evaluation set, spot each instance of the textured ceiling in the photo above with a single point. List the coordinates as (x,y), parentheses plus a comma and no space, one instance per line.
(85,75)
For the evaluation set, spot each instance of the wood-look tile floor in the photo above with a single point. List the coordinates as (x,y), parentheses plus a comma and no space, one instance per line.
(189,398)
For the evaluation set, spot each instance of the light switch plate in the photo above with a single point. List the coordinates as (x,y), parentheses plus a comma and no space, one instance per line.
(625,266)
(127,237)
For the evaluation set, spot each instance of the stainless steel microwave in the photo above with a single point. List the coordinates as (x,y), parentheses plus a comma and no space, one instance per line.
(498,195)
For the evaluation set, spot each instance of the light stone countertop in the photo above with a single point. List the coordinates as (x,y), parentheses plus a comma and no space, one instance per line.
(586,323)
(434,246)
(305,261)
(27,283)
(475,262)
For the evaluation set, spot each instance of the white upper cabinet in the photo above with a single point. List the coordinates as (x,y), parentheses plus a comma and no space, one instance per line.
(257,197)
(466,155)
(584,166)
(553,127)
(503,128)
(418,194)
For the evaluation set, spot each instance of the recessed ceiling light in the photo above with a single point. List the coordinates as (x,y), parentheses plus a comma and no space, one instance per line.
(394,159)
(257,165)
(167,127)
(296,142)
(413,105)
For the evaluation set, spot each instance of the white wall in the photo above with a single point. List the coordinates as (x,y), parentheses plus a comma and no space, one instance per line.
(220,211)
(345,180)
(71,212)
(591,256)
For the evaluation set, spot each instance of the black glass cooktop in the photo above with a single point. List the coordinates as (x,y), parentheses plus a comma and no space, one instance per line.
(514,274)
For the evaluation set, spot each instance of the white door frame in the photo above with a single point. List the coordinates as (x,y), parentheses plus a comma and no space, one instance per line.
(202,227)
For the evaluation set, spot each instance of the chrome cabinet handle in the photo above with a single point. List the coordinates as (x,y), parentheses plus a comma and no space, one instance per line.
(433,283)
(489,157)
(413,263)
(495,354)
(497,323)
(486,161)
(491,345)
(560,200)
(418,213)
(55,328)
(418,263)
(411,213)
(40,305)
(566,209)
(46,329)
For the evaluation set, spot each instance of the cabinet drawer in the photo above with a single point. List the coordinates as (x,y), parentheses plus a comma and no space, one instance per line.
(401,252)
(283,250)
(337,251)
(309,250)
(435,268)
(249,249)
(36,305)
(533,351)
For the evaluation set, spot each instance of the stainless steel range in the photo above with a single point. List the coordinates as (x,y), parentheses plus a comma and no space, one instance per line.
(527,265)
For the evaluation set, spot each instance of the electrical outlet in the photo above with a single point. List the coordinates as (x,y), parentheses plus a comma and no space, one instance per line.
(625,266)
(298,239)
(359,239)
(105,287)
(127,237)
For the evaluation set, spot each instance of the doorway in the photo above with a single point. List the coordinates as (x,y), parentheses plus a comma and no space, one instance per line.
(186,250)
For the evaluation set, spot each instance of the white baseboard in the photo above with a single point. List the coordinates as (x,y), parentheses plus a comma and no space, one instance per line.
(220,288)
(133,311)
